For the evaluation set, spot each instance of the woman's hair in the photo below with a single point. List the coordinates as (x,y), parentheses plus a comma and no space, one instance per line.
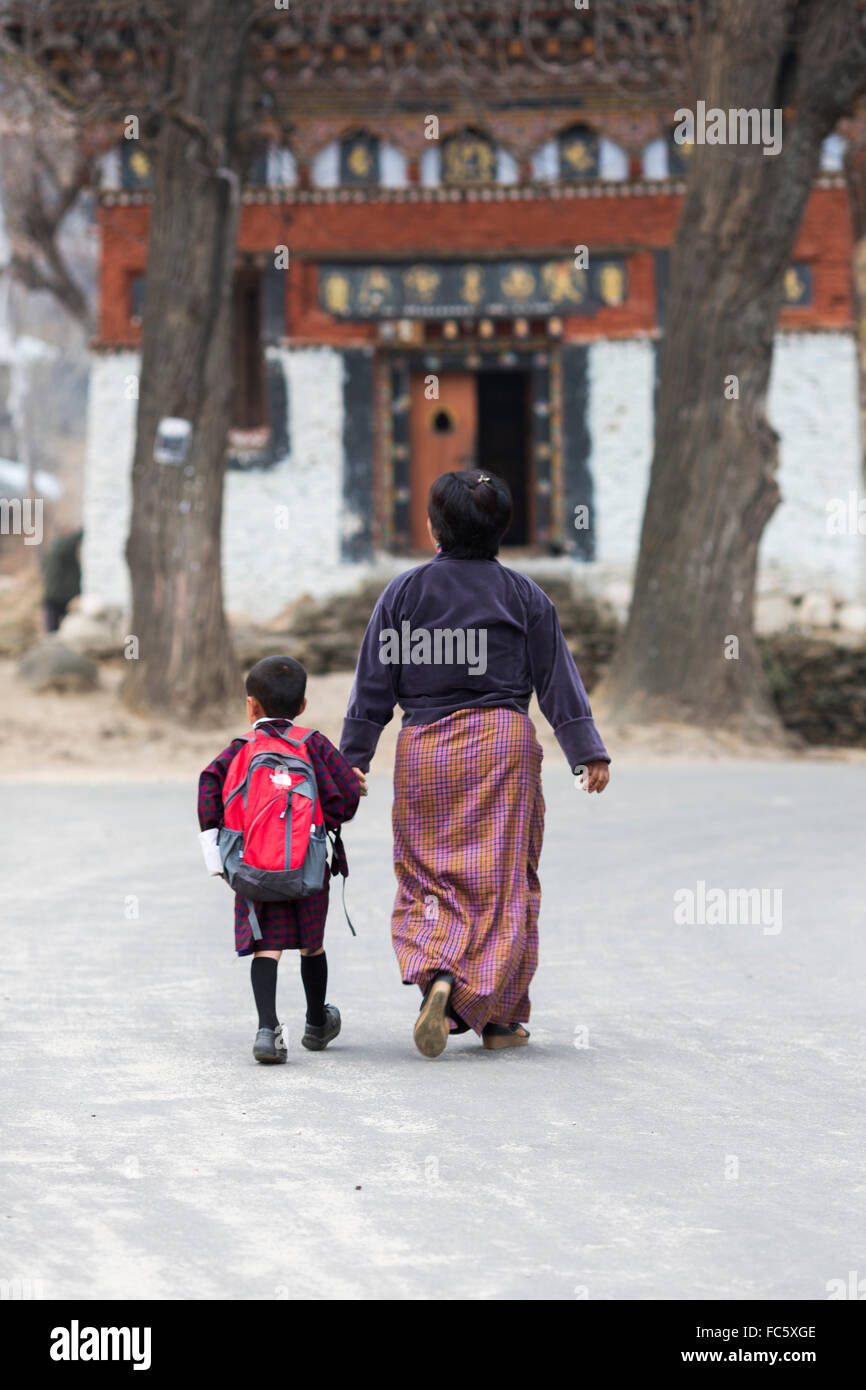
(470,512)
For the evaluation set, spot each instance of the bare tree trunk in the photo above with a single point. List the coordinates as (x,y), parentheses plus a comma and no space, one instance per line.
(42,173)
(185,662)
(712,485)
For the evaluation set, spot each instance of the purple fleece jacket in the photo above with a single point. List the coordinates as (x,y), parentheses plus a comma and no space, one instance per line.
(507,633)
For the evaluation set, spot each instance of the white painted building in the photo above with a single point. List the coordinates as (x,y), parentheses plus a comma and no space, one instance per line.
(545,371)
(271,558)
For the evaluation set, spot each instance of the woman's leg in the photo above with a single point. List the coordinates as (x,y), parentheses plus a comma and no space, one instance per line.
(507,1030)
(468,821)
(432,1026)
(496,1036)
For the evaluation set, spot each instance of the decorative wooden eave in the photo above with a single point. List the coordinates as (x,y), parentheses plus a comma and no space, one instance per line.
(492,193)
(329,69)
(315,57)
(488,193)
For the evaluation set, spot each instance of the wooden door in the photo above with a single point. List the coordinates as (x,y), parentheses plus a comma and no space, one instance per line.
(442,437)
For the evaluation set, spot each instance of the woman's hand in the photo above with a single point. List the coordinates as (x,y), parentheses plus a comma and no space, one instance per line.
(595,776)
(362,781)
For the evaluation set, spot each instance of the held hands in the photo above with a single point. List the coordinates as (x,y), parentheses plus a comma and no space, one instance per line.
(592,777)
(362,781)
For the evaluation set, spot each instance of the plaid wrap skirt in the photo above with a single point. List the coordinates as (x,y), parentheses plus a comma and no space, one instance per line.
(468,822)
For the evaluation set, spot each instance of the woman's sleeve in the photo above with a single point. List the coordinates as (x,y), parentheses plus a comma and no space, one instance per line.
(561,695)
(373,697)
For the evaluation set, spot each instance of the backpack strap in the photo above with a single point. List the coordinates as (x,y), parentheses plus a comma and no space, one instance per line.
(288,735)
(339,860)
(305,734)
(340,865)
(254,922)
(345,912)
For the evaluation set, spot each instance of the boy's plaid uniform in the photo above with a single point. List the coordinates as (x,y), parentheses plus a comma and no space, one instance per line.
(286,925)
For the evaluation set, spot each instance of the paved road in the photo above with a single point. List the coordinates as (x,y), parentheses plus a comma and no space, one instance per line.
(687,1122)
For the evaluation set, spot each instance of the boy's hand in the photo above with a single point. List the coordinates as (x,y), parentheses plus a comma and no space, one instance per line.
(595,776)
(362,781)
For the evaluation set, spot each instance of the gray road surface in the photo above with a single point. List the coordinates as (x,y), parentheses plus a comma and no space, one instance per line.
(688,1120)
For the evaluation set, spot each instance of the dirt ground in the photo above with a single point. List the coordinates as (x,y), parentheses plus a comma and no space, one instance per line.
(54,736)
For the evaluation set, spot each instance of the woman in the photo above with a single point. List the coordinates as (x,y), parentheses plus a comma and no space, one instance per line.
(459,643)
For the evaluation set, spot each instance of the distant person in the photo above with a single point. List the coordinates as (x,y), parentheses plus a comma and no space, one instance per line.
(61,576)
(271,796)
(460,643)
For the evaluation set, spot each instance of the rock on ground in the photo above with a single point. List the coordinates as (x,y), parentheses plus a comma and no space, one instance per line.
(52,666)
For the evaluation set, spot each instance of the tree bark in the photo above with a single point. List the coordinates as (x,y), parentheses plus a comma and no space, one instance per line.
(712,483)
(185,662)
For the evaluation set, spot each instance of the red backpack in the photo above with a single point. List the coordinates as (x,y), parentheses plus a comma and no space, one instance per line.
(273,840)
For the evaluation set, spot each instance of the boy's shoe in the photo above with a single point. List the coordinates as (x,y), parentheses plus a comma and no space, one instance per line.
(432,1029)
(270,1045)
(317,1036)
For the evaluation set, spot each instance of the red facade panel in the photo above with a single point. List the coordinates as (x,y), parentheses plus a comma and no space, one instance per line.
(635,225)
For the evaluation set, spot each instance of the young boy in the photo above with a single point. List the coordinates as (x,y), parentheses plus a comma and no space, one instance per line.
(275,696)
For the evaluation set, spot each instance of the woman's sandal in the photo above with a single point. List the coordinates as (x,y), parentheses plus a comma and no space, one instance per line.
(432,1028)
(495,1036)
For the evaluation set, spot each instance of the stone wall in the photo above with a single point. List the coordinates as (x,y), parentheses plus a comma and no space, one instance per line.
(111,409)
(819,685)
(621,379)
(286,527)
(813,406)
(280,524)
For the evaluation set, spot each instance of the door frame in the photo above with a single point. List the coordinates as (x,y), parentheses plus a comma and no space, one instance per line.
(546,509)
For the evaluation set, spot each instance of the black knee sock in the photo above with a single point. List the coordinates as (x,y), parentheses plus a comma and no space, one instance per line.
(263,975)
(314,976)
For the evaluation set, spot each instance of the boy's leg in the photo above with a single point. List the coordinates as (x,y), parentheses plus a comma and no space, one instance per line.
(314,977)
(323,1020)
(263,975)
(270,1043)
